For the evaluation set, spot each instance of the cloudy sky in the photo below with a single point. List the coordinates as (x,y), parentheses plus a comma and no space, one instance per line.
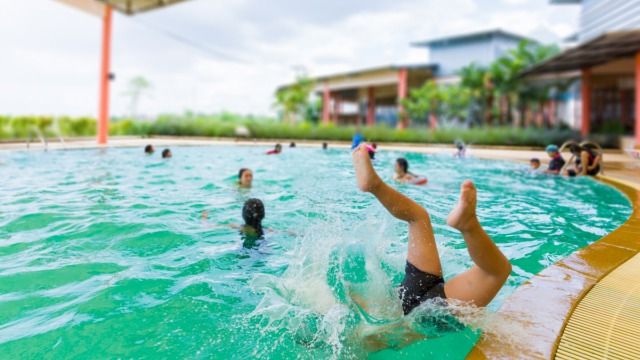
(215,55)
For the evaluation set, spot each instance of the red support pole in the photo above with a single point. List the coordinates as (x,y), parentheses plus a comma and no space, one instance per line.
(585,126)
(637,127)
(103,111)
(371,106)
(403,76)
(326,105)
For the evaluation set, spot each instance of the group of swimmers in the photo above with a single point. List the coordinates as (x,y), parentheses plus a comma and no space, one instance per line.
(423,272)
(149,150)
(585,160)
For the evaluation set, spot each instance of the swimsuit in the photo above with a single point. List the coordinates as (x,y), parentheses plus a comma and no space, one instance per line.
(418,287)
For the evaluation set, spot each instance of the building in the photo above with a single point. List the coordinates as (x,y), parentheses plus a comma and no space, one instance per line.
(605,65)
(374,95)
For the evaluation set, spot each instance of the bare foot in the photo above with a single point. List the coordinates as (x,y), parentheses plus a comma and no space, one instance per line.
(366,175)
(463,216)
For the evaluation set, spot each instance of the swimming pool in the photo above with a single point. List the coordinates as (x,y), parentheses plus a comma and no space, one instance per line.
(103,253)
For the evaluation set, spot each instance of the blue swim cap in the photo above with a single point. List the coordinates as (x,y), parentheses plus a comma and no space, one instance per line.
(552,148)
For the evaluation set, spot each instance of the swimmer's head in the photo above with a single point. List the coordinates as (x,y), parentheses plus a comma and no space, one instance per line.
(325,146)
(575,149)
(278,147)
(149,149)
(459,145)
(166,154)
(245,178)
(253,214)
(292,145)
(534,163)
(402,166)
(552,150)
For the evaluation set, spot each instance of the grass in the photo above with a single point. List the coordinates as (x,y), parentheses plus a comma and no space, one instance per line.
(225,124)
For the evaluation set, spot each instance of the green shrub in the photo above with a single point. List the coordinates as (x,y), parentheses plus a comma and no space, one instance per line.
(224,125)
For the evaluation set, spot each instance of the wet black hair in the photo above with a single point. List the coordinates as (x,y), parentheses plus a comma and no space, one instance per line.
(459,145)
(253,213)
(241,171)
(575,149)
(293,144)
(325,145)
(278,145)
(148,149)
(404,164)
(535,160)
(165,153)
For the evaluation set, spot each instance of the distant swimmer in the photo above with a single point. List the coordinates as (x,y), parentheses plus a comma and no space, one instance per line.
(292,144)
(276,150)
(149,150)
(245,178)
(325,146)
(557,162)
(534,164)
(461,149)
(404,176)
(166,154)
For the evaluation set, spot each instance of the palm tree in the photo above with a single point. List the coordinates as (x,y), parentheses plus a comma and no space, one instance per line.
(136,88)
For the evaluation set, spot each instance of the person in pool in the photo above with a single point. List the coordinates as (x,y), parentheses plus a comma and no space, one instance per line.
(557,162)
(166,154)
(149,150)
(245,178)
(404,176)
(325,146)
(423,273)
(276,150)
(587,161)
(461,149)
(292,144)
(252,213)
(534,164)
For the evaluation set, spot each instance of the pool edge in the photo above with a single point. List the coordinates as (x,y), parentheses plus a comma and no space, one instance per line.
(543,306)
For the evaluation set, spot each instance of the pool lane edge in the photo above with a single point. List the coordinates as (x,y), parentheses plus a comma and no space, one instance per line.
(539,310)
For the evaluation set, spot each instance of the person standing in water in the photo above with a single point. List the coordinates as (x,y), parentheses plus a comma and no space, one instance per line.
(423,273)
(404,176)
(245,178)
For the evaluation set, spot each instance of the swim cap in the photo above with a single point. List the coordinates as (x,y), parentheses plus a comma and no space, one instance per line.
(552,148)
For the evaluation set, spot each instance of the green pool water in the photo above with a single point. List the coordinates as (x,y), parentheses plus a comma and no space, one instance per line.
(103,253)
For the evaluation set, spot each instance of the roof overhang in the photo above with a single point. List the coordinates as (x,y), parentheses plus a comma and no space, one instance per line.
(128,7)
(603,49)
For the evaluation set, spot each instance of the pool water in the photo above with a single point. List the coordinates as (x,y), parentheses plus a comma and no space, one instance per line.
(103,253)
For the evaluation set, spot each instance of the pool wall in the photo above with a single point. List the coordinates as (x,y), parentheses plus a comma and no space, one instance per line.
(561,295)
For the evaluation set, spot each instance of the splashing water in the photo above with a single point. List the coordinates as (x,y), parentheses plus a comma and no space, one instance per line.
(104,254)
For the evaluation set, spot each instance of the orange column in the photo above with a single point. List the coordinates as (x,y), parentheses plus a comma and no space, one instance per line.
(371,106)
(326,105)
(637,126)
(403,75)
(585,126)
(103,111)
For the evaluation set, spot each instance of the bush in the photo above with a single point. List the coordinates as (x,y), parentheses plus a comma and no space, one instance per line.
(224,125)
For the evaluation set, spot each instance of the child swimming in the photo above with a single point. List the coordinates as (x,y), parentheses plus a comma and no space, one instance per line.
(245,178)
(149,150)
(276,150)
(404,176)
(423,273)
(534,164)
(166,154)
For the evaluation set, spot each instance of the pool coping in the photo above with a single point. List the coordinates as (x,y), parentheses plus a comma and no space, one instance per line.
(540,309)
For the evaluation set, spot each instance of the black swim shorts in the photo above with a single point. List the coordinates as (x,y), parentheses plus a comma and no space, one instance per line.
(419,286)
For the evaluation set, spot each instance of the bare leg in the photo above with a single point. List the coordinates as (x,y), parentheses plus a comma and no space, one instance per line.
(480,284)
(422,252)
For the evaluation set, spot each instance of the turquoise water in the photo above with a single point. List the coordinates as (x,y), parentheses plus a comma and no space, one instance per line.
(103,253)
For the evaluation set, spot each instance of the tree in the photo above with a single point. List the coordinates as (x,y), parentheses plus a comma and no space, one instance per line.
(477,80)
(135,89)
(293,100)
(423,101)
